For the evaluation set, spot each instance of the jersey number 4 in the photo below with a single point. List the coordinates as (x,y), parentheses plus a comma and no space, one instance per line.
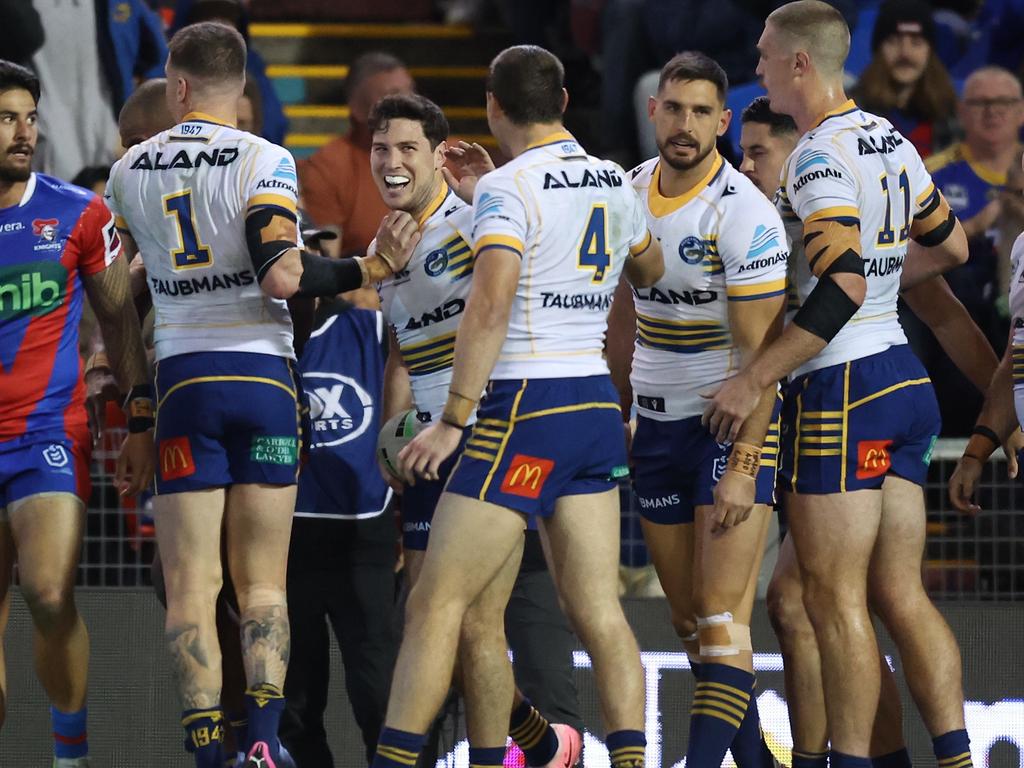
(594,253)
(191,252)
(887,235)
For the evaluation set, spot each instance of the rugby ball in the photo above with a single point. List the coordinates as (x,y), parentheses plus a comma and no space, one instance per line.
(394,436)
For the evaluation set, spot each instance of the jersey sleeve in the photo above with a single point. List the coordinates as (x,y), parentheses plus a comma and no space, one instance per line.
(110,195)
(823,186)
(639,234)
(500,219)
(923,190)
(753,247)
(95,238)
(273,182)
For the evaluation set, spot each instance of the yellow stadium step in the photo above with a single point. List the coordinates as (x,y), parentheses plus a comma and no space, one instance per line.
(333,118)
(362,31)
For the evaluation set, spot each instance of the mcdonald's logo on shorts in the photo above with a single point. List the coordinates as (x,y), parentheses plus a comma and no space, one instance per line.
(526,476)
(873,458)
(176,458)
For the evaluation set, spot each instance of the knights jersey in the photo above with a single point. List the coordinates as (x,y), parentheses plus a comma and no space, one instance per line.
(342,367)
(723,242)
(184,195)
(56,234)
(424,302)
(855,166)
(574,220)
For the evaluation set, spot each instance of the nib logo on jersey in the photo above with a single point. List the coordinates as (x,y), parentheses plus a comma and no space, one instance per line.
(807,161)
(31,289)
(340,410)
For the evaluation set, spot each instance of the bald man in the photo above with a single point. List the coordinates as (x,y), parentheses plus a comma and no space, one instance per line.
(145,113)
(860,417)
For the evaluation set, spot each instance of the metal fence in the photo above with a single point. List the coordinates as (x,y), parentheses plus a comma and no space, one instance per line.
(976,558)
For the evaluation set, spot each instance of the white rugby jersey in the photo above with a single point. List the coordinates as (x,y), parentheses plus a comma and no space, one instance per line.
(1017,318)
(854,165)
(424,302)
(723,241)
(184,195)
(574,219)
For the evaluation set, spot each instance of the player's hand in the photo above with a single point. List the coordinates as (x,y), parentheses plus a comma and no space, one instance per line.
(730,406)
(135,463)
(964,484)
(466,164)
(425,452)
(100,388)
(1013,444)
(397,237)
(734,500)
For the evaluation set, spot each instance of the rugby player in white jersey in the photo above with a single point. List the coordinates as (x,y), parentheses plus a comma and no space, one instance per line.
(553,229)
(767,139)
(423,305)
(705,504)
(860,417)
(212,210)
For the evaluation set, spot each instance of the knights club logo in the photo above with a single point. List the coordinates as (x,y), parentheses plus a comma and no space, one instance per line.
(45,228)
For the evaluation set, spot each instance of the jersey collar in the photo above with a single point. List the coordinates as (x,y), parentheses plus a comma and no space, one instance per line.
(434,205)
(30,189)
(845,108)
(663,206)
(202,117)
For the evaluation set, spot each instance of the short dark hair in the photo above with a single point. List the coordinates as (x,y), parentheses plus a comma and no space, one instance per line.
(694,65)
(209,50)
(412,106)
(368,65)
(527,81)
(91,175)
(760,111)
(16,76)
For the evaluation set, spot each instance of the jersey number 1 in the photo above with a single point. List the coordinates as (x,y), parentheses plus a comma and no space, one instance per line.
(190,252)
(594,253)
(887,235)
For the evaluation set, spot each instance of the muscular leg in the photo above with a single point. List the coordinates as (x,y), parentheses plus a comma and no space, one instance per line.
(47,533)
(834,535)
(583,539)
(671,550)
(488,685)
(928,650)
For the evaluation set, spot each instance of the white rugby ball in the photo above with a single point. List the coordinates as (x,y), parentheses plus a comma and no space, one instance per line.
(394,436)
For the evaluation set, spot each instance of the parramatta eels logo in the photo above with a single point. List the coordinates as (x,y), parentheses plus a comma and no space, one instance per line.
(340,410)
(436,262)
(691,250)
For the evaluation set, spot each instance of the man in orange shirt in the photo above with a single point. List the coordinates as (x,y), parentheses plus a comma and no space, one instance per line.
(337,188)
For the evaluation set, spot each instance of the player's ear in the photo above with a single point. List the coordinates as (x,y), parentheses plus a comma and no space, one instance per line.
(723,121)
(565,100)
(801,62)
(439,154)
(652,104)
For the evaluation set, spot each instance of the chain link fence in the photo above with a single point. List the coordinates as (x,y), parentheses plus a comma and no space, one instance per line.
(975,558)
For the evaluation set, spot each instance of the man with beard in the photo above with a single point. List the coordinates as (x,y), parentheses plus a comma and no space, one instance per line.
(722,298)
(58,239)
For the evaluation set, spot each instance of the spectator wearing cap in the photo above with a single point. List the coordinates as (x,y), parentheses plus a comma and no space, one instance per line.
(336,184)
(972,175)
(905,81)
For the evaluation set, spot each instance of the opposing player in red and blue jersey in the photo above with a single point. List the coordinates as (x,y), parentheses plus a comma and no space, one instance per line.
(56,240)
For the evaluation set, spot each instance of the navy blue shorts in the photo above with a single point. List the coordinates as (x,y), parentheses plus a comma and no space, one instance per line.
(536,440)
(225,418)
(677,464)
(419,501)
(845,427)
(43,463)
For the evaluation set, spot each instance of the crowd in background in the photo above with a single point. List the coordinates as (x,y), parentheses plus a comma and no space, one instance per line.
(946,73)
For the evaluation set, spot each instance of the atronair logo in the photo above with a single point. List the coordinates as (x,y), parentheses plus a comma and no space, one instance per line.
(32,289)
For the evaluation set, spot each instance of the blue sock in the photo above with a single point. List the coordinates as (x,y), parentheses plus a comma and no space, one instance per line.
(748,747)
(204,736)
(898,759)
(533,733)
(953,750)
(695,667)
(397,749)
(486,757)
(626,749)
(264,704)
(238,721)
(842,760)
(719,706)
(69,734)
(810,759)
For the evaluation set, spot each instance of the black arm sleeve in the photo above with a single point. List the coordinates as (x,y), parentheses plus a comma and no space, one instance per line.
(328,277)
(828,308)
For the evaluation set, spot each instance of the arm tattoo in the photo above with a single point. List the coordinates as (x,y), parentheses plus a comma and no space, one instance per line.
(198,683)
(110,296)
(266,644)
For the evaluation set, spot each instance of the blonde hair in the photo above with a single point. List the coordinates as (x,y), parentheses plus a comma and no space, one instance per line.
(819,29)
